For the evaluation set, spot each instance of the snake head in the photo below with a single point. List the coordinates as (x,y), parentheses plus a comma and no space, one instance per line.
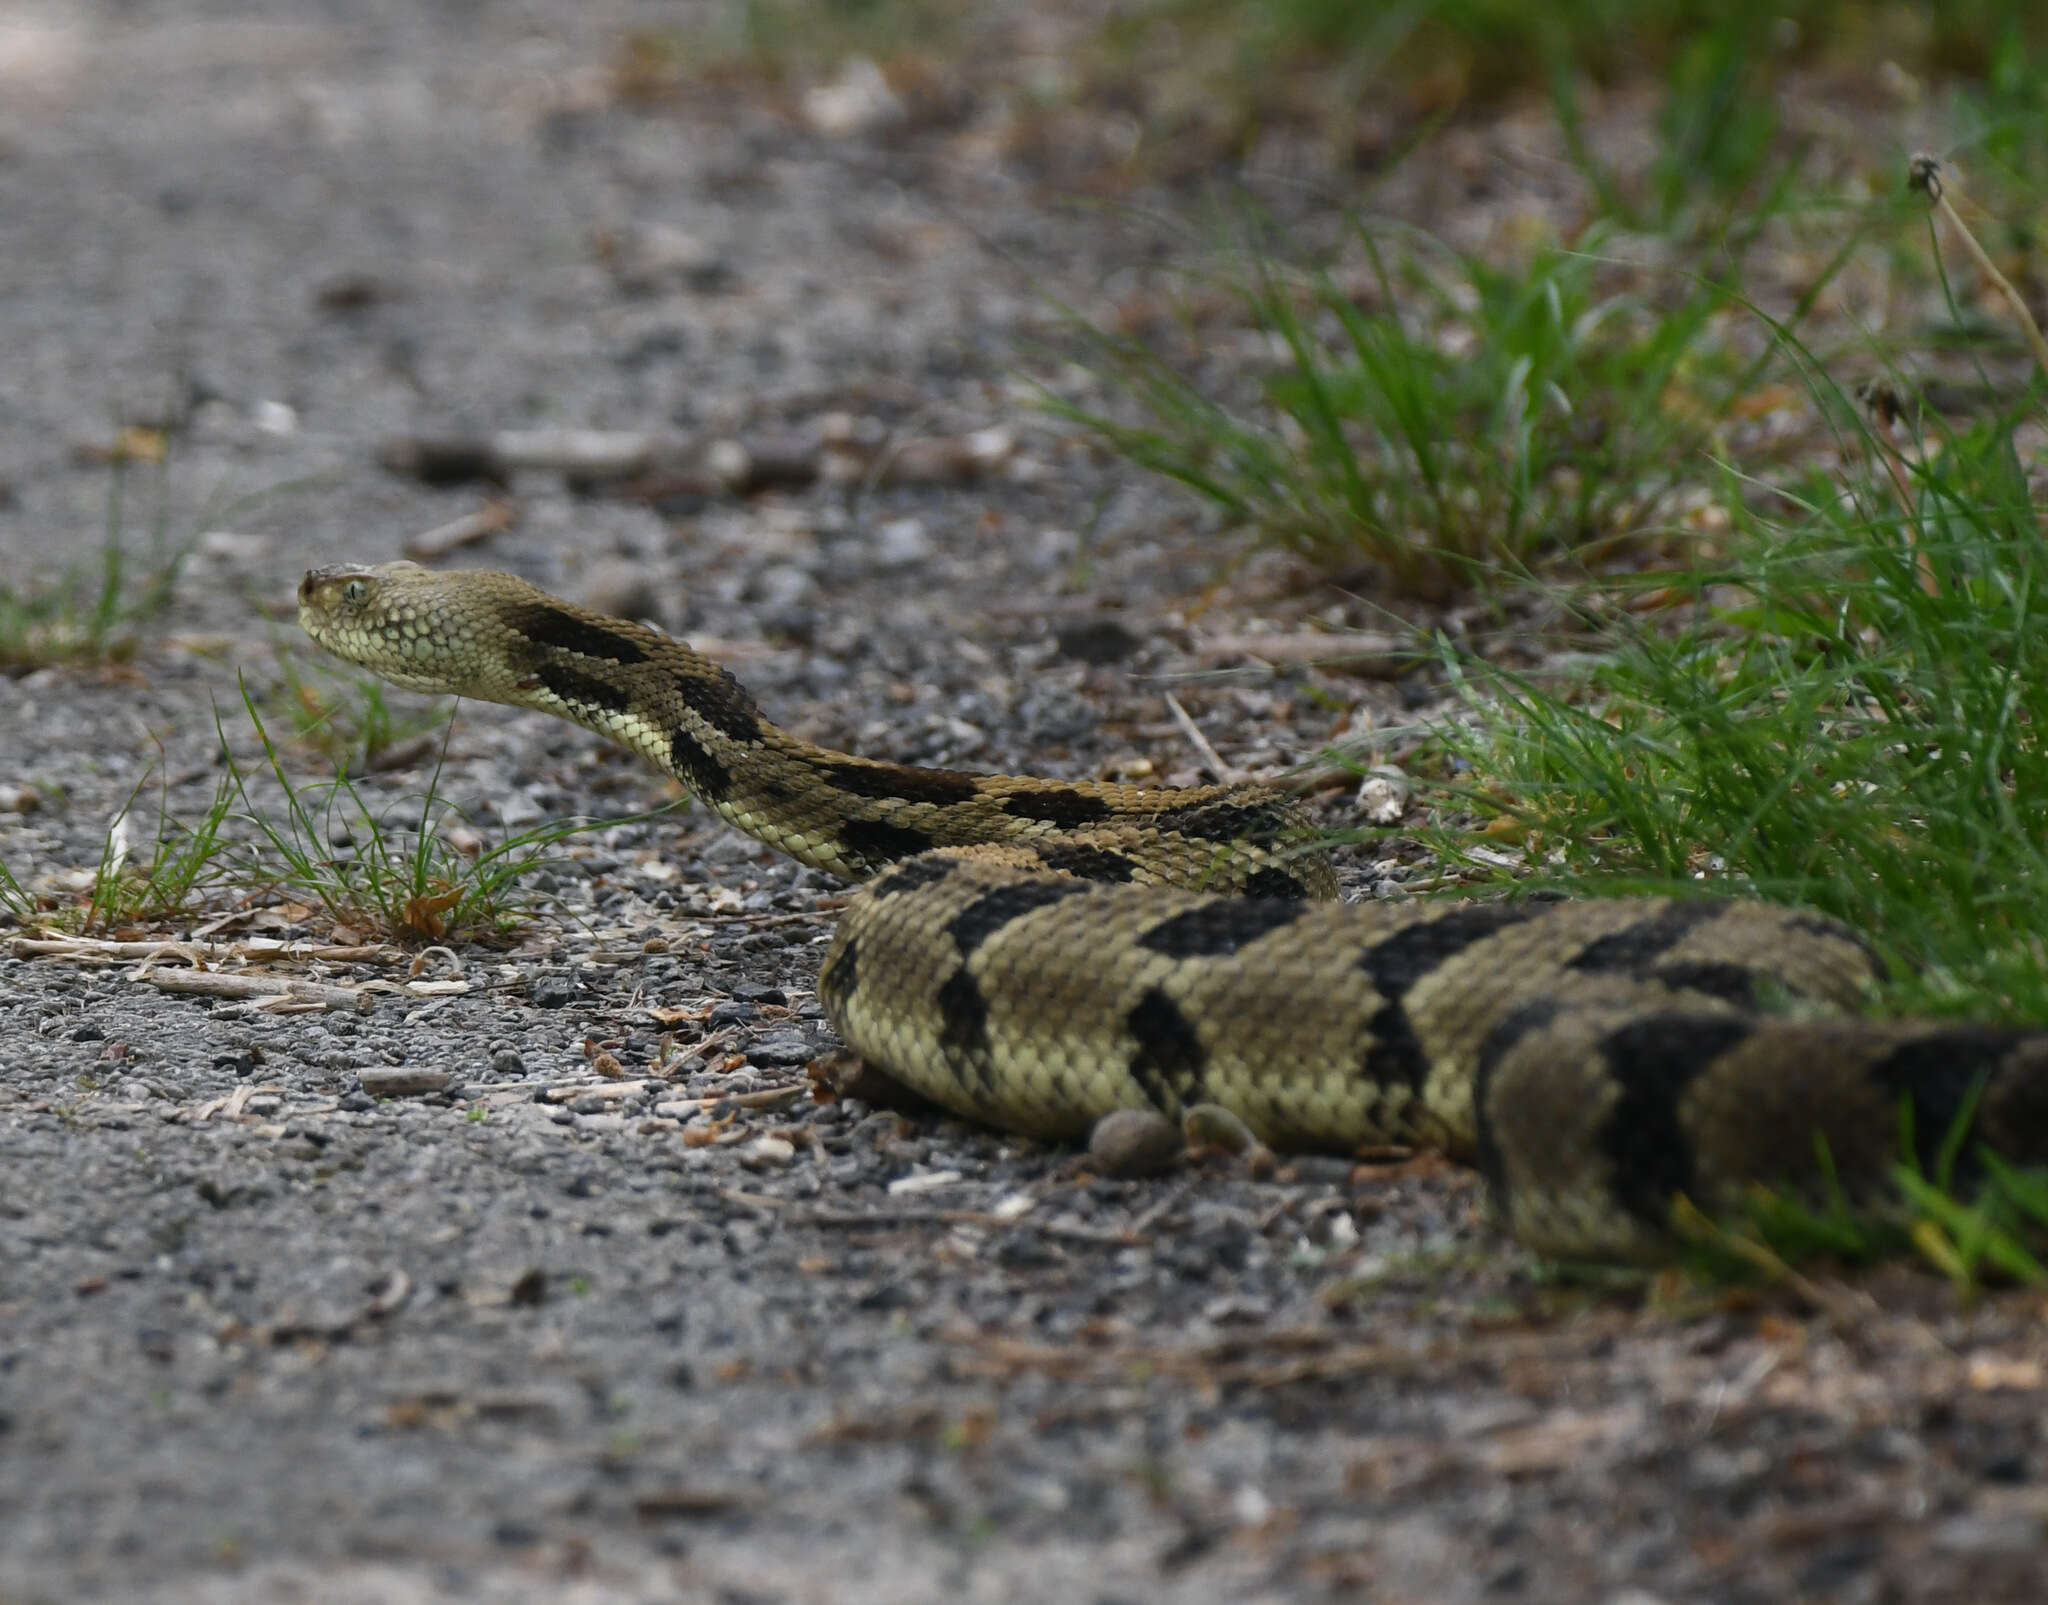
(399,620)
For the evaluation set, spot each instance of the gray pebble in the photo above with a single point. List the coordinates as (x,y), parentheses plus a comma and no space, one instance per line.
(554,990)
(1211,1125)
(902,542)
(1128,1143)
(781,1048)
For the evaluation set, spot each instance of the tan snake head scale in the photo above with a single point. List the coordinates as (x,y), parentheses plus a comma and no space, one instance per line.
(1036,953)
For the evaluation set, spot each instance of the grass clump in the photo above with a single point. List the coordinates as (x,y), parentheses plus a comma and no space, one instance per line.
(319,846)
(331,850)
(1846,714)
(1841,706)
(182,871)
(1448,419)
(91,615)
(15,901)
(1990,1228)
(1215,75)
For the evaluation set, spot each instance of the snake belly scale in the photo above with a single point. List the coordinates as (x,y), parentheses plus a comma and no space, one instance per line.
(1033,954)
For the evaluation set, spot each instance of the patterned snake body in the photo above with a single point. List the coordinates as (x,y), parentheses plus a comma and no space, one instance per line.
(1034,954)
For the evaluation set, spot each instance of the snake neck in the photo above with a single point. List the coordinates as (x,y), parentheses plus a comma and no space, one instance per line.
(855,816)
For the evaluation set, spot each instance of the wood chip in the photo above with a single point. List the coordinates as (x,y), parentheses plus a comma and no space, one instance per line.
(402,1081)
(1365,650)
(768,1098)
(570,1091)
(486,521)
(284,992)
(929,1181)
(682,1503)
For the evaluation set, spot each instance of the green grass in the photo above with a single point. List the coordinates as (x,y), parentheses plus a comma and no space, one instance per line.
(93,614)
(1993,1231)
(387,872)
(1454,418)
(1215,75)
(182,871)
(1452,421)
(1845,712)
(330,848)
(15,902)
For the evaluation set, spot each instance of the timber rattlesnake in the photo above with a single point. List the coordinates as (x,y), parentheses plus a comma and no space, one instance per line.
(1595,1059)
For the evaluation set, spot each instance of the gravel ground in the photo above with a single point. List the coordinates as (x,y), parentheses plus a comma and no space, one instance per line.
(540,1276)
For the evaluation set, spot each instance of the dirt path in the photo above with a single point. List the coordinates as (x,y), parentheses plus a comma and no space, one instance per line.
(545,1334)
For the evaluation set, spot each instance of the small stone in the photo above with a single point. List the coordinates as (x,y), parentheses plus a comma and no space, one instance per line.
(1383,797)
(783,586)
(507,1062)
(624,589)
(530,1290)
(652,257)
(1128,1143)
(1023,1249)
(1210,1125)
(768,1153)
(858,101)
(554,990)
(356,1103)
(274,418)
(264,1103)
(1096,641)
(902,542)
(402,1081)
(2017,1532)
(781,1048)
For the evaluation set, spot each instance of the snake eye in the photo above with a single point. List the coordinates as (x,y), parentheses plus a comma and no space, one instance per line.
(354,591)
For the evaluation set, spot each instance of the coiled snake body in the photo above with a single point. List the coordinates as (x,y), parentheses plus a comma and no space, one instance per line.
(1035,953)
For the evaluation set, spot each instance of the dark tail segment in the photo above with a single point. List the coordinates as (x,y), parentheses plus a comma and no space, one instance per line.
(1592,1123)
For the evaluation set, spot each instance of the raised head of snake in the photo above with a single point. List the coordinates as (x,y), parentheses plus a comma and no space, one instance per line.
(494,637)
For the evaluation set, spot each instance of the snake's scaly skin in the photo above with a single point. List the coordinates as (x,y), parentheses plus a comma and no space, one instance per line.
(1035,954)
